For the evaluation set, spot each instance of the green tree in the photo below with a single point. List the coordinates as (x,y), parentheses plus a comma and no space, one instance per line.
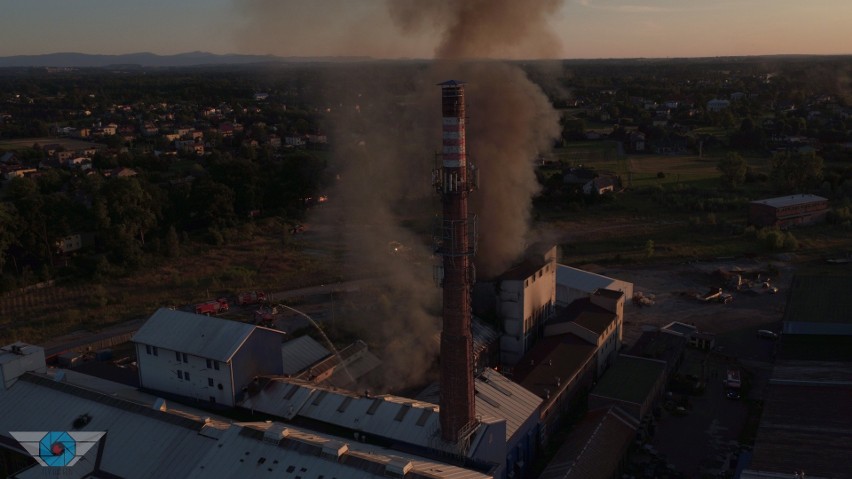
(794,172)
(733,168)
(8,223)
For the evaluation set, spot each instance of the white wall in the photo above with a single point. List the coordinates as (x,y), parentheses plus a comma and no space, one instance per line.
(524,305)
(159,372)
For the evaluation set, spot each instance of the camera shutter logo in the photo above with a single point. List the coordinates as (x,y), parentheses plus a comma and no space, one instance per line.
(57,448)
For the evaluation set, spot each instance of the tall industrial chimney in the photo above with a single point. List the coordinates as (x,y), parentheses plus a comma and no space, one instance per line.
(454,179)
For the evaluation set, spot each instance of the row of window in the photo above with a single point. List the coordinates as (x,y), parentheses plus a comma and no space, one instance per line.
(184,376)
(180,357)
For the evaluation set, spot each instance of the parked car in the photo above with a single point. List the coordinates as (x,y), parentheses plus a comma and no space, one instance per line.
(765,333)
(732,394)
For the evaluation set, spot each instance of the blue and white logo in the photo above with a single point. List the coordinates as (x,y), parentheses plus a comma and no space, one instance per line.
(57,448)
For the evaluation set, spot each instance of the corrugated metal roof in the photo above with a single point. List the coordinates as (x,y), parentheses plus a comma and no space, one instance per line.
(142,442)
(782,201)
(393,417)
(300,353)
(594,448)
(483,334)
(585,281)
(195,334)
(498,397)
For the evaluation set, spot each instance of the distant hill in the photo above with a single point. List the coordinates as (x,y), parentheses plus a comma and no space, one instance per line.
(83,60)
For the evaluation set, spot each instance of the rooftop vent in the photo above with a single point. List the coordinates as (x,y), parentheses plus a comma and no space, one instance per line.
(398,467)
(160,405)
(334,449)
(275,432)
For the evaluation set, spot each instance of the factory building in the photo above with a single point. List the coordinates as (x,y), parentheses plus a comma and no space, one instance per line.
(573,284)
(598,320)
(523,299)
(634,384)
(597,447)
(503,443)
(787,211)
(204,358)
(146,437)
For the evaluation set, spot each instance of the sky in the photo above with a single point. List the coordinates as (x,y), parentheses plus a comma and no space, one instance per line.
(582,28)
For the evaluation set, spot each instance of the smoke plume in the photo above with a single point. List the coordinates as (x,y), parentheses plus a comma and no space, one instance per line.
(386,127)
(476,29)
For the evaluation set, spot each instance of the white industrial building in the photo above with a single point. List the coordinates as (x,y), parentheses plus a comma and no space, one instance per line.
(204,358)
(526,296)
(147,438)
(573,283)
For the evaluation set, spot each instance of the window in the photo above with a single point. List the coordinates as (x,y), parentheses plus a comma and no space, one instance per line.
(210,382)
(209,364)
(213,401)
(186,375)
(185,359)
(216,365)
(177,356)
(180,374)
(155,351)
(147,349)
(220,386)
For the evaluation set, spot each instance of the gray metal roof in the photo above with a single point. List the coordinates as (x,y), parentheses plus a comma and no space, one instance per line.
(782,201)
(300,353)
(196,334)
(143,442)
(276,450)
(482,333)
(498,397)
(585,281)
(594,448)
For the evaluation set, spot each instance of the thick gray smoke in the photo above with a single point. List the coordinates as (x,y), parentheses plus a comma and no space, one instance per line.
(476,29)
(386,127)
(511,120)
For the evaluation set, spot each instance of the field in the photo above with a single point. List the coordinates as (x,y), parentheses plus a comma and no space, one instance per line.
(66,143)
(682,216)
(270,261)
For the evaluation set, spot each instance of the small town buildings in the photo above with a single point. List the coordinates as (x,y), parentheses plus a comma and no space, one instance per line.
(204,358)
(787,211)
(717,105)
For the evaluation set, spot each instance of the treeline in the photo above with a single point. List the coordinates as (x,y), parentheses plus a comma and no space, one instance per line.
(124,222)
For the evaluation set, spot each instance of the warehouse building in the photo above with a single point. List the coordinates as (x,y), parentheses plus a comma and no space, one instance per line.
(787,211)
(204,358)
(146,437)
(633,384)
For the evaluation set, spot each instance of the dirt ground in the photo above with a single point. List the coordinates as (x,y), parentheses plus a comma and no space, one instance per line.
(674,286)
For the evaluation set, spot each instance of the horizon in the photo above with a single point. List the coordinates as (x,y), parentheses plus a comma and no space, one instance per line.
(580,29)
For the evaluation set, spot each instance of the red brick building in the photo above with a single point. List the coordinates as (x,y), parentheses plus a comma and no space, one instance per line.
(787,211)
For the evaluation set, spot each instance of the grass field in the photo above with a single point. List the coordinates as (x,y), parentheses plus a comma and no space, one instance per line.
(67,143)
(270,262)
